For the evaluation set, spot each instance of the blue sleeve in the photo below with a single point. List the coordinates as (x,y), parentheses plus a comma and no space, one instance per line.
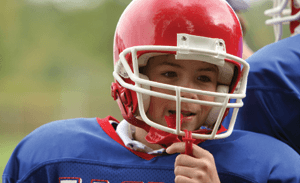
(49,142)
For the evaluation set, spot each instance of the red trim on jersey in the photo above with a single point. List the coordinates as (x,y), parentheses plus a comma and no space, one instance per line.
(110,131)
(97,180)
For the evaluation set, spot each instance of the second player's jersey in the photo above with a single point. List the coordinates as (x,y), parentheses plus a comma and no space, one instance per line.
(272,103)
(90,151)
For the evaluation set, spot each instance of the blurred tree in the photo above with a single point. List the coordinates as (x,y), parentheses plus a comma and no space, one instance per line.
(55,62)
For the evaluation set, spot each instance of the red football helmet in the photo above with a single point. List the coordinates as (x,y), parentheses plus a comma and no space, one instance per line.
(283,12)
(208,31)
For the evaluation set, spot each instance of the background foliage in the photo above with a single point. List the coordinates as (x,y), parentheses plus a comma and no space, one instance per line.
(56,61)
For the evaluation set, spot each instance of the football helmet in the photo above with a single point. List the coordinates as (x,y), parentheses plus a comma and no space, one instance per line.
(284,11)
(207,31)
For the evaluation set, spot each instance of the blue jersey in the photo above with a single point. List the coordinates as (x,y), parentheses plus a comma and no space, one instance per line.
(272,103)
(90,151)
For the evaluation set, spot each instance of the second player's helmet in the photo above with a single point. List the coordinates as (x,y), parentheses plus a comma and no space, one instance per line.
(201,30)
(284,11)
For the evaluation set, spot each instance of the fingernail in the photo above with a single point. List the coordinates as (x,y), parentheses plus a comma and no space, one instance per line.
(167,150)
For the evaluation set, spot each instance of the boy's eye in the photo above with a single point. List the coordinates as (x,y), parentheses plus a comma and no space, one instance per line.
(169,74)
(204,79)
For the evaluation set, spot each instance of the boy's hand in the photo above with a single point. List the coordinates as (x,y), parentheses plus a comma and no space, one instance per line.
(200,168)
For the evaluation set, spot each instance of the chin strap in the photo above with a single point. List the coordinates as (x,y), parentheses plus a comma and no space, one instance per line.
(165,139)
(188,139)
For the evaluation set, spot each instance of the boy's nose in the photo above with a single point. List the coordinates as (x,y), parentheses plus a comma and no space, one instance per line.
(189,95)
(187,83)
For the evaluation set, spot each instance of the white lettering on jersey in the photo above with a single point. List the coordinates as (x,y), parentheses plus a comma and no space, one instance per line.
(70,180)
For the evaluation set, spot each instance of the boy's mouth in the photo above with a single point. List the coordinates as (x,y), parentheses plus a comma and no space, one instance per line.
(184,113)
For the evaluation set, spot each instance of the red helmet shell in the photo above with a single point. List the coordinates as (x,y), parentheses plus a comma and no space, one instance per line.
(157,22)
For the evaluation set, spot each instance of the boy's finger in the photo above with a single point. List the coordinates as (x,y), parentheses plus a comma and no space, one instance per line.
(178,147)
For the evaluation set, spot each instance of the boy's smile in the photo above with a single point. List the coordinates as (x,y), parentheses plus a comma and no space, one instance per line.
(196,75)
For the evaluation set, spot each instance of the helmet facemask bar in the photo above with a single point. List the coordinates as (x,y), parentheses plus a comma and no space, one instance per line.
(122,66)
(178,131)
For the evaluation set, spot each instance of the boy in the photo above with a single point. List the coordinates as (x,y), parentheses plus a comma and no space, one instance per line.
(177,64)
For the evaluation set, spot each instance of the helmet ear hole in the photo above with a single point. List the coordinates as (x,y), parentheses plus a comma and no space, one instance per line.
(214,112)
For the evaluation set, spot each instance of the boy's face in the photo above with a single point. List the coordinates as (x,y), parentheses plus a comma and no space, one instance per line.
(185,73)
